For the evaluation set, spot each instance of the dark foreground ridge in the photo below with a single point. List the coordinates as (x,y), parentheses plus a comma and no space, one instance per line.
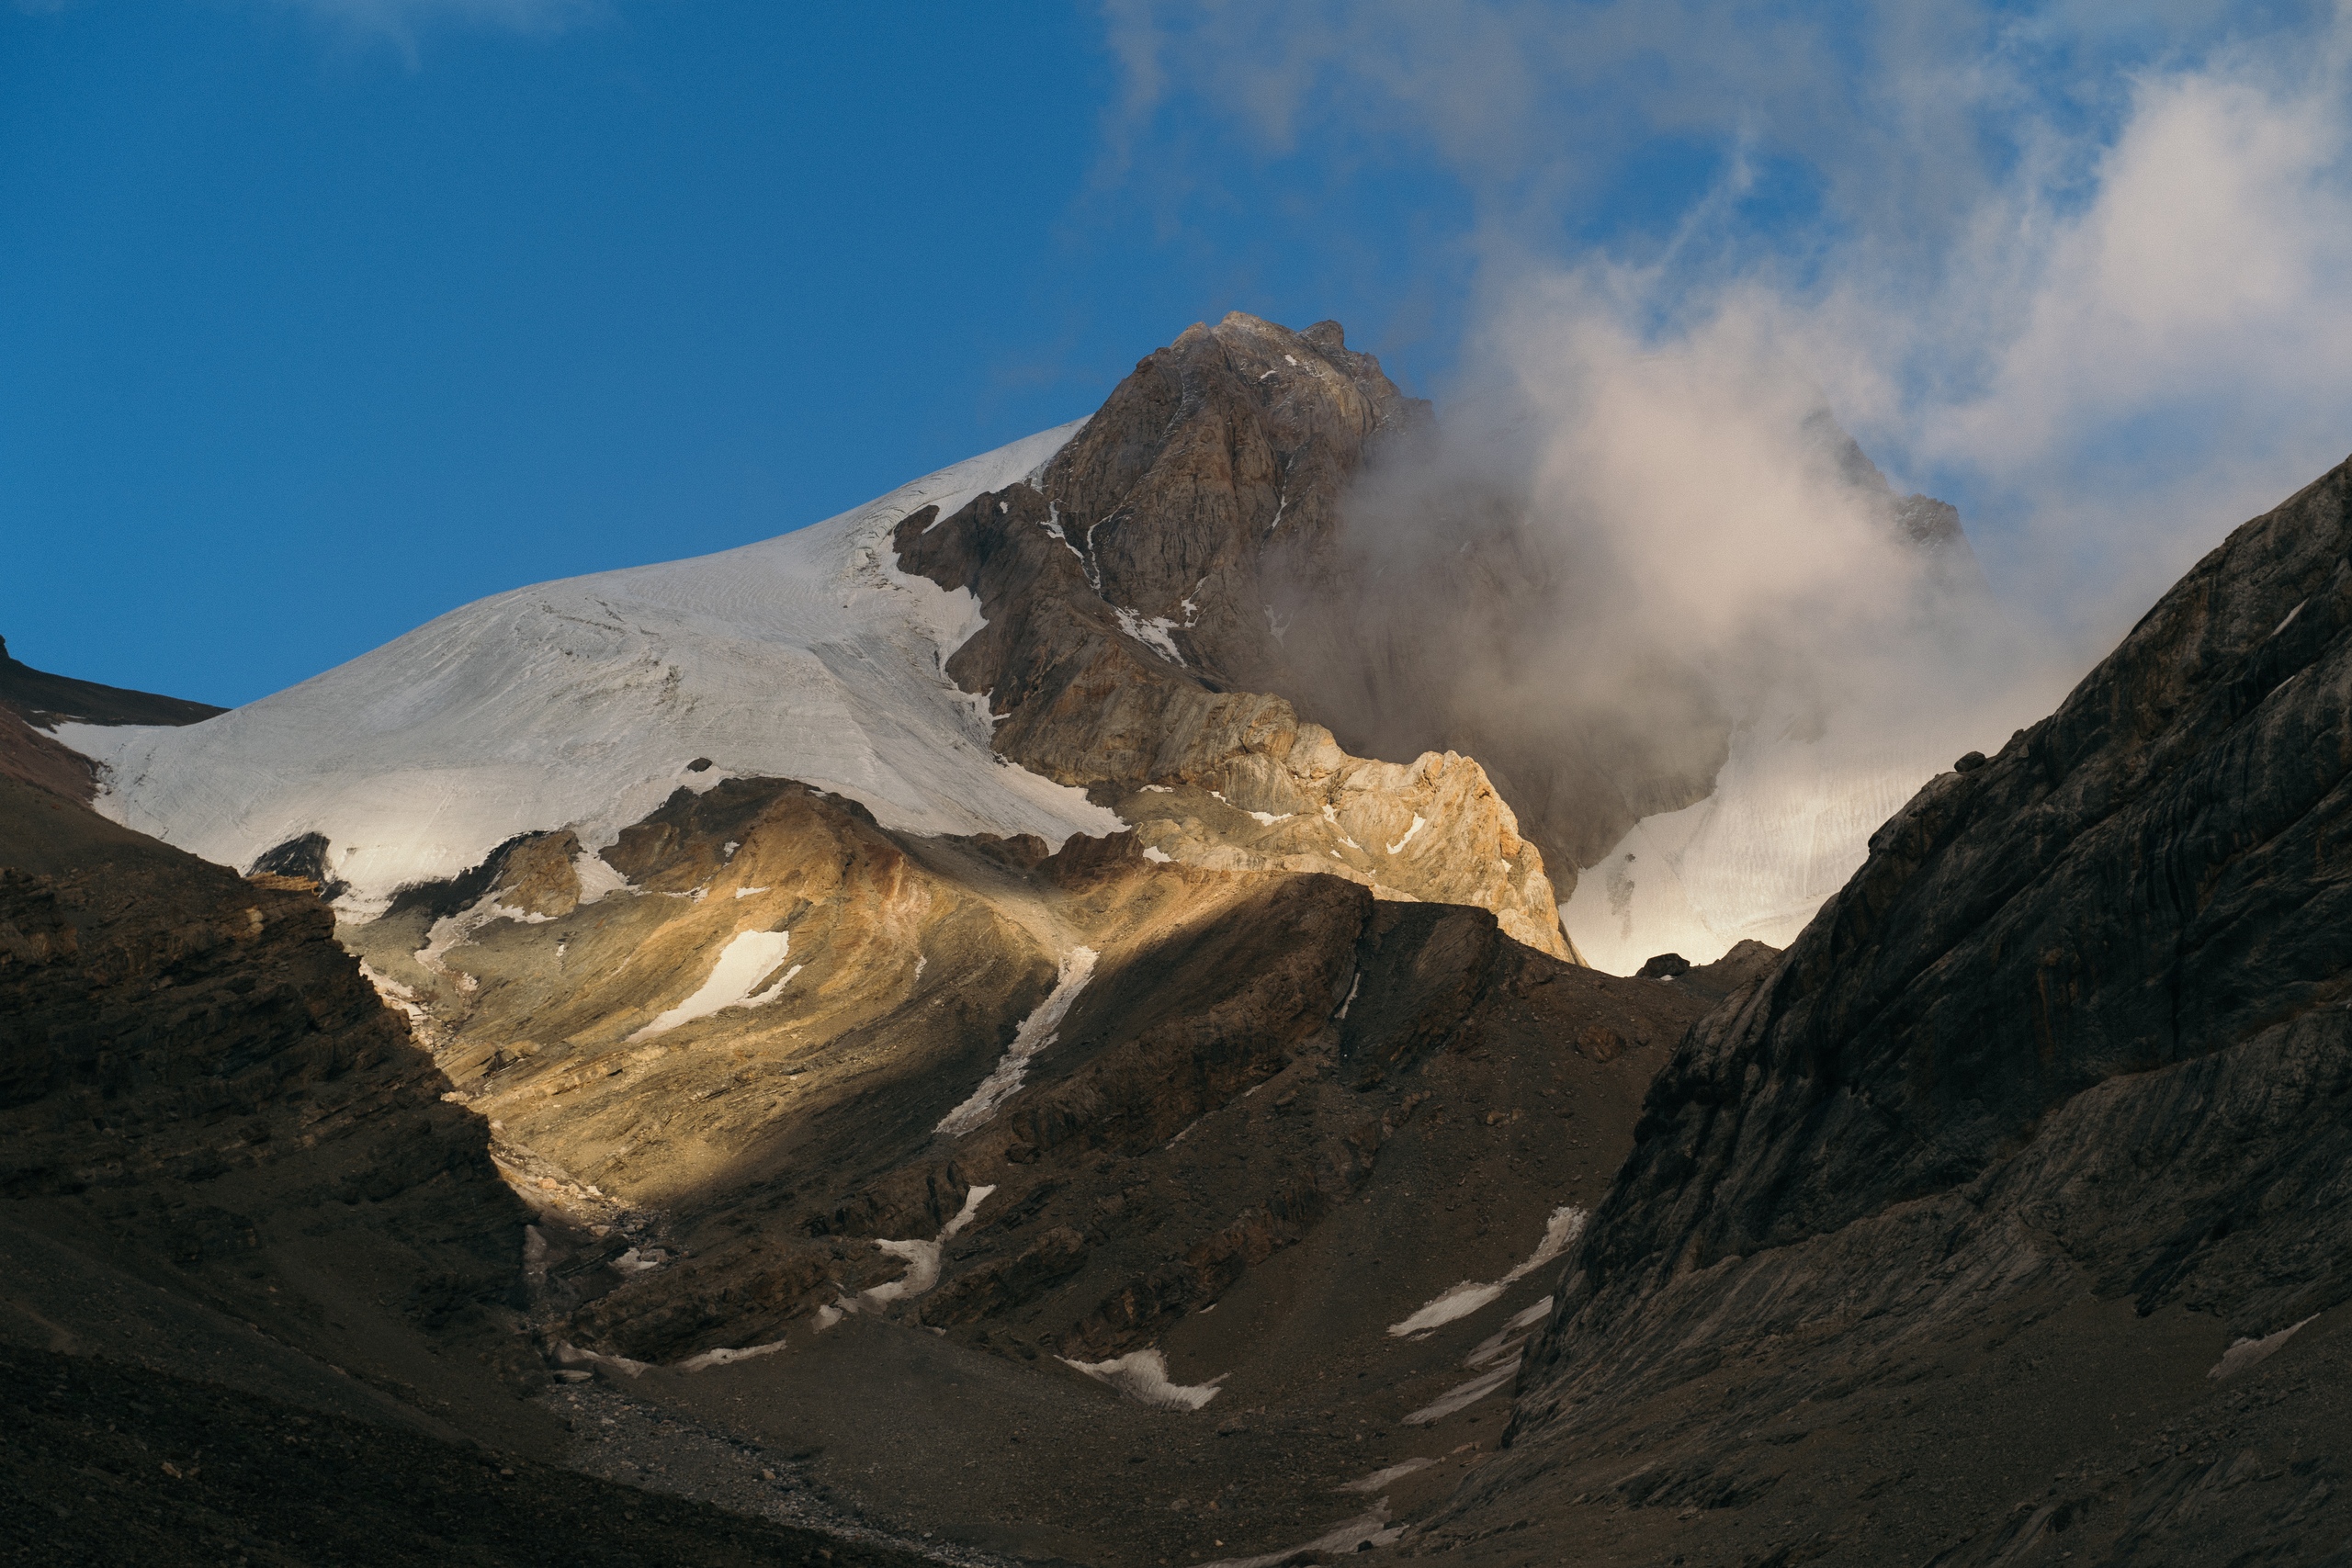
(2010,1217)
(103,1464)
(48,700)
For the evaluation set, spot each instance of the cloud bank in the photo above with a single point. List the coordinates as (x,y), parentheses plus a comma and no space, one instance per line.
(2083,274)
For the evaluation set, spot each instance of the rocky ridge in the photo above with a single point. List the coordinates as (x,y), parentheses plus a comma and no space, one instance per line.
(2058,1081)
(1129,647)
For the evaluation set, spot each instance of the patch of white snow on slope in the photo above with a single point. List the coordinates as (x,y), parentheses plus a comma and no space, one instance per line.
(1510,1336)
(1418,823)
(580,703)
(1143,1375)
(1156,855)
(722,1355)
(1564,1224)
(598,877)
(1152,631)
(1380,1478)
(1467,1395)
(748,958)
(922,1257)
(1372,1530)
(2246,1353)
(1789,822)
(455,930)
(1037,1031)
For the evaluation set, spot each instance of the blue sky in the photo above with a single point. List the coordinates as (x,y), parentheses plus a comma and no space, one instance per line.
(321,317)
(313,330)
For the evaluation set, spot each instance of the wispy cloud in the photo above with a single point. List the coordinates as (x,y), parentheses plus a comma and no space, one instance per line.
(403,24)
(2080,269)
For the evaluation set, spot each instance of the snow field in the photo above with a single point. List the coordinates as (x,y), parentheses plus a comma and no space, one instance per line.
(746,959)
(1560,1229)
(1142,1375)
(1039,1030)
(1789,822)
(581,703)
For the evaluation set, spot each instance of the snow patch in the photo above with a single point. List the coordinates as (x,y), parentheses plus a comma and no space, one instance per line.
(392,993)
(1270,818)
(1561,1228)
(1037,1031)
(598,877)
(722,1355)
(746,958)
(747,892)
(1332,817)
(1371,1531)
(1380,1478)
(1464,1396)
(1510,1336)
(1419,822)
(922,1257)
(1142,1375)
(454,931)
(1457,1302)
(1355,985)
(570,1354)
(2248,1352)
(1152,631)
(1156,855)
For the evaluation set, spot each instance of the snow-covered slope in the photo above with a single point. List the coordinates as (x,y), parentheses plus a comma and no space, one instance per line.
(1790,820)
(583,704)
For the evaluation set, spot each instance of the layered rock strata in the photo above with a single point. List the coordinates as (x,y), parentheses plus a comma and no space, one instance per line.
(224,1157)
(1129,646)
(2033,1150)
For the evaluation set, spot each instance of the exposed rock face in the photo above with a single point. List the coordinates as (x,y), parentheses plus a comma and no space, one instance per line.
(1252,1077)
(2073,1036)
(1129,641)
(200,1092)
(891,974)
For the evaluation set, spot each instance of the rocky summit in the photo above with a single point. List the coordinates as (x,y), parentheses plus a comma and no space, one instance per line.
(1019,1024)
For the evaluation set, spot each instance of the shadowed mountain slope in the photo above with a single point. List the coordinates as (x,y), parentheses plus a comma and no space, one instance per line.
(2008,1217)
(47,700)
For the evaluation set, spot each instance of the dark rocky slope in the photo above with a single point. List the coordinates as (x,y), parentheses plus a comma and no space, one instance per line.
(1935,1243)
(222,1156)
(48,700)
(1269,1082)
(102,1463)
(33,702)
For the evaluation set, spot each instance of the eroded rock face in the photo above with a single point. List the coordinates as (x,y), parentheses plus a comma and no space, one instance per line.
(2073,1036)
(1128,640)
(200,1092)
(748,1151)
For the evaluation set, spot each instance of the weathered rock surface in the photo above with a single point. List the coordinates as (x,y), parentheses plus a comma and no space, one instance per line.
(1129,642)
(222,1156)
(1262,1075)
(2044,1112)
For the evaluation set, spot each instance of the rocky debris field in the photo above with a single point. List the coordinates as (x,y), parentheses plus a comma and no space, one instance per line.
(659,1448)
(102,1464)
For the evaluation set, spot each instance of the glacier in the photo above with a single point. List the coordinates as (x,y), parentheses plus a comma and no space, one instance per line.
(1790,819)
(584,703)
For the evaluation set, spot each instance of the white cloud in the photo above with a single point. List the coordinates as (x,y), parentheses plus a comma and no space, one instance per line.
(402,23)
(2083,269)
